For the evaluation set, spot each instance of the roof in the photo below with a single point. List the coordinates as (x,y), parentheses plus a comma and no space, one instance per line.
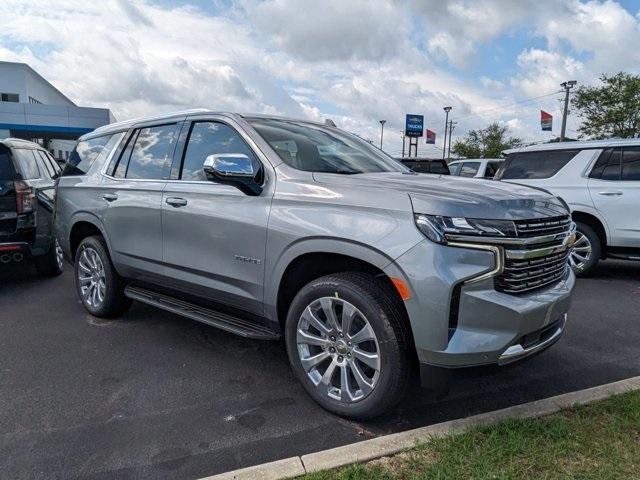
(31,70)
(126,124)
(19,143)
(477,160)
(582,145)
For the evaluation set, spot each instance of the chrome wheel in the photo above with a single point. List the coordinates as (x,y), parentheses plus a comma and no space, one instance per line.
(59,254)
(581,252)
(338,349)
(91,277)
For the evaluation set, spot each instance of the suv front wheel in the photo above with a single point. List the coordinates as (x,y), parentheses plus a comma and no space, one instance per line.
(586,251)
(348,344)
(99,286)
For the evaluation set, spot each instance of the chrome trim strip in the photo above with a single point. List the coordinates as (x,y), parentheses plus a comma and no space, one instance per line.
(516,352)
(510,241)
(497,253)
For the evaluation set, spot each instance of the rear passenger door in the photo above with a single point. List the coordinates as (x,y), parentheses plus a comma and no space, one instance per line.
(614,185)
(132,201)
(214,235)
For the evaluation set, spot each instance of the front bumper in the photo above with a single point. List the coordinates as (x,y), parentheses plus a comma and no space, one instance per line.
(461,323)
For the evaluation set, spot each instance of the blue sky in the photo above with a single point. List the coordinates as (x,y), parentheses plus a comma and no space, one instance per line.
(356,62)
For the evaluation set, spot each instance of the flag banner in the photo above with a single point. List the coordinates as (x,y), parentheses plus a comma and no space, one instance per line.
(431,136)
(546,121)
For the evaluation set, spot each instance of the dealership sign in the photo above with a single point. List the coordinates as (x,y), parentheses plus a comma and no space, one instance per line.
(546,121)
(414,125)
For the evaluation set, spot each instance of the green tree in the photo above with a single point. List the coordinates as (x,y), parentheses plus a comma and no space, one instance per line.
(486,143)
(611,109)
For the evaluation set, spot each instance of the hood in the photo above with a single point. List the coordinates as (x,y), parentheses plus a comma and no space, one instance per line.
(459,197)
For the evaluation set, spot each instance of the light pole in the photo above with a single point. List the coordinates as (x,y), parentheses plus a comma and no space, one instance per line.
(382,122)
(567,86)
(446,124)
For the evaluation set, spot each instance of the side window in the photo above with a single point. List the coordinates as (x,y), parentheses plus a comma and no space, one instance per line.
(631,164)
(492,168)
(25,164)
(439,167)
(56,167)
(152,153)
(87,152)
(209,138)
(455,169)
(469,169)
(44,165)
(608,165)
(541,164)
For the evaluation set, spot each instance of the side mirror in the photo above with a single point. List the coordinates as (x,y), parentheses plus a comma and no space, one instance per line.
(235,169)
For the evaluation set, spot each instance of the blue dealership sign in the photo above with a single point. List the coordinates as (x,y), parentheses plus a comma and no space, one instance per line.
(414,125)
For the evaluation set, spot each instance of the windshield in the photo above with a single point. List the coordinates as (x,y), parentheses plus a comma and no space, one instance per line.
(314,148)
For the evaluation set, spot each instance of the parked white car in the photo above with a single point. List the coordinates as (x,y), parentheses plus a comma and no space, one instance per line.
(599,180)
(475,167)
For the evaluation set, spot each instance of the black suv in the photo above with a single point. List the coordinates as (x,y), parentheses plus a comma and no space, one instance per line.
(27,192)
(425,165)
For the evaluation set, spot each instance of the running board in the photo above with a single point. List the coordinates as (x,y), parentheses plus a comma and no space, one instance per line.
(223,321)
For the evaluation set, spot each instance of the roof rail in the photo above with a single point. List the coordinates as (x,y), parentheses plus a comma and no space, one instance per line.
(124,123)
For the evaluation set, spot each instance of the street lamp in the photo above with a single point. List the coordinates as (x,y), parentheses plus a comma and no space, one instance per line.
(382,122)
(446,125)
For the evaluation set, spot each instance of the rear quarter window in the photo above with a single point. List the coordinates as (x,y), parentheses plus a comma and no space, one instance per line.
(87,152)
(25,164)
(531,165)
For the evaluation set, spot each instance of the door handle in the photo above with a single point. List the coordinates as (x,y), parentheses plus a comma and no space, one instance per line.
(611,193)
(110,197)
(176,201)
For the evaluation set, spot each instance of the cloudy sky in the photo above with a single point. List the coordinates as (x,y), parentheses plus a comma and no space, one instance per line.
(354,61)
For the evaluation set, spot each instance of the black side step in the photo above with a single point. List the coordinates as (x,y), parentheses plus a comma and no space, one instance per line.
(216,319)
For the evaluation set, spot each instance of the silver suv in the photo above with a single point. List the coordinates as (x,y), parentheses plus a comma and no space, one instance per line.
(268,227)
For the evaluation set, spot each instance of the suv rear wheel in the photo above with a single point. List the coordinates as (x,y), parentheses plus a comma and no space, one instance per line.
(348,344)
(99,286)
(51,264)
(586,251)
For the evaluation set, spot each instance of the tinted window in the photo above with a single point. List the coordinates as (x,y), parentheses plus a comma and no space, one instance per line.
(439,168)
(6,172)
(25,163)
(543,164)
(152,152)
(316,148)
(209,138)
(469,169)
(631,163)
(455,168)
(491,170)
(608,165)
(87,152)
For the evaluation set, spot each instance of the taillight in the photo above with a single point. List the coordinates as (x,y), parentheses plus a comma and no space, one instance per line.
(25,198)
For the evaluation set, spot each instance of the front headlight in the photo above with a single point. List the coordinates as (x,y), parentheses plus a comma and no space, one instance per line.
(439,229)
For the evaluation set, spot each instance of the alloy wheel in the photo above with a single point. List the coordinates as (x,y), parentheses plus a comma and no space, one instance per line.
(581,252)
(338,349)
(91,277)
(59,254)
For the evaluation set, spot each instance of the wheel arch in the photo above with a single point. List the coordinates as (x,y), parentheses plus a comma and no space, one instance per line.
(84,226)
(595,223)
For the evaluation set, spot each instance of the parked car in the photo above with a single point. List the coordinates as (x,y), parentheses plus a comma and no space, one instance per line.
(27,174)
(600,181)
(425,165)
(269,227)
(476,167)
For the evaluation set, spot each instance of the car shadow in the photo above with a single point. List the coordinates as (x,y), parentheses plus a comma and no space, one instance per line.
(616,270)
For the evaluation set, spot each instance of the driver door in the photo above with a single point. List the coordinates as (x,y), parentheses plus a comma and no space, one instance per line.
(214,235)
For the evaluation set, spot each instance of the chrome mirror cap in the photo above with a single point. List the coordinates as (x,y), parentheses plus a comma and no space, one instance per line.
(229,165)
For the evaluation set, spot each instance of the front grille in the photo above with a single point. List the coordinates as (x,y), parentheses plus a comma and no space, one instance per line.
(543,226)
(527,274)
(521,276)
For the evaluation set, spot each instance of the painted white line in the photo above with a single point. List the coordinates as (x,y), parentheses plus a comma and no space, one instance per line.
(397,442)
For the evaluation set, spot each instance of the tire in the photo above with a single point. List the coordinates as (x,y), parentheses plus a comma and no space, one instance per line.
(375,305)
(586,238)
(51,264)
(92,260)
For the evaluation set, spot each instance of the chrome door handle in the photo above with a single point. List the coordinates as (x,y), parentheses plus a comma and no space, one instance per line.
(615,193)
(176,201)
(110,197)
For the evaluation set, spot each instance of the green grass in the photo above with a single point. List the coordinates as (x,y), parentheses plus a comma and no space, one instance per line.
(598,441)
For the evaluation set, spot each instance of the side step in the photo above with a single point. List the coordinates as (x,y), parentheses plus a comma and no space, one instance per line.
(216,319)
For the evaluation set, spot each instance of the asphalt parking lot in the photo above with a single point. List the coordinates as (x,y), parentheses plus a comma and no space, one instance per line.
(153,395)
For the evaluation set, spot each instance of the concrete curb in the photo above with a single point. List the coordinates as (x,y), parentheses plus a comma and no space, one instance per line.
(394,443)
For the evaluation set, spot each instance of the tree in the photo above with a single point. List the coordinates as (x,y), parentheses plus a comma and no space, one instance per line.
(485,143)
(611,109)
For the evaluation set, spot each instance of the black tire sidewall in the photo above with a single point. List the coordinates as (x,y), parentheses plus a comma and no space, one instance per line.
(47,264)
(392,355)
(596,249)
(113,293)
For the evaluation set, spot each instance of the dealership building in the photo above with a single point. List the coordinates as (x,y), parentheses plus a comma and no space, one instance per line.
(33,109)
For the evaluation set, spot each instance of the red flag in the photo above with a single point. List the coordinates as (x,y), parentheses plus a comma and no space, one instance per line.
(431,136)
(546,121)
